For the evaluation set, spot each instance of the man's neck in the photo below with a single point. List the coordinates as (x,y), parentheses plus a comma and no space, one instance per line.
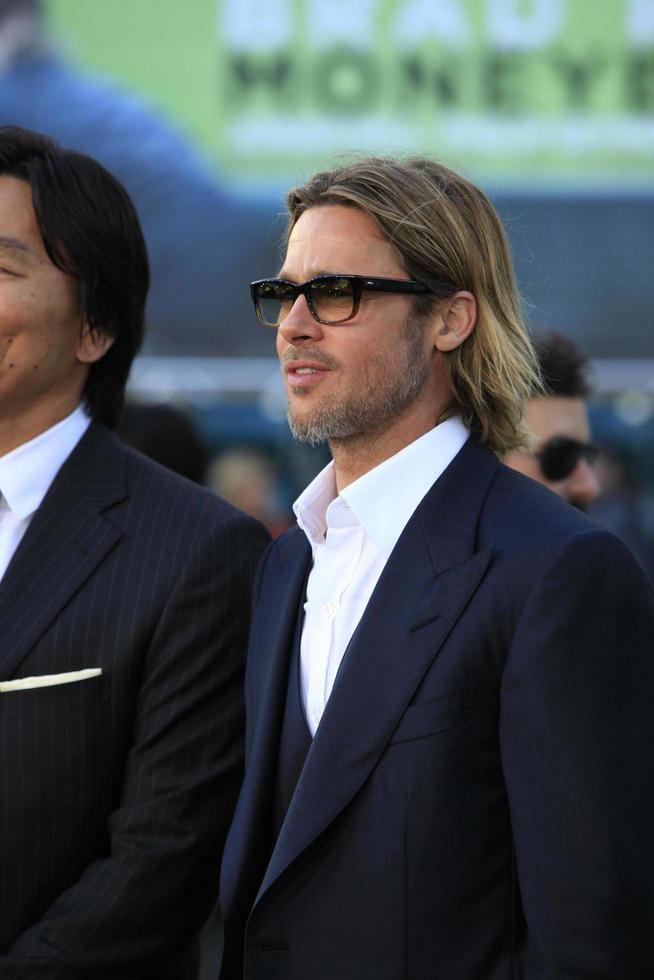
(17,431)
(357,455)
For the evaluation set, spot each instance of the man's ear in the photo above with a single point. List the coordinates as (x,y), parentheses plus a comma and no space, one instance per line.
(458,316)
(93,344)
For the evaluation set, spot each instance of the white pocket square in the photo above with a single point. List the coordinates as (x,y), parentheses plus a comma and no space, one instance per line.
(49,680)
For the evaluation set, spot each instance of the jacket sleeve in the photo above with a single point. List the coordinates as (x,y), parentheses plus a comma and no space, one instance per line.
(129,914)
(577,743)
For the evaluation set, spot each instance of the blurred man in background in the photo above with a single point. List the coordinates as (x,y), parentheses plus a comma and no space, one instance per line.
(563,457)
(168,435)
(124,595)
(249,479)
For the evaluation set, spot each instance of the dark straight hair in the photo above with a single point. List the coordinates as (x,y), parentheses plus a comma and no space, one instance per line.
(91,232)
(563,367)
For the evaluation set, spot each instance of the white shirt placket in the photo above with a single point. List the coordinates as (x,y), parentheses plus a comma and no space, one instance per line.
(327,628)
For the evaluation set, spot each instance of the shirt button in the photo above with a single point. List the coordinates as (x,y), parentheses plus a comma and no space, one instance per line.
(328,609)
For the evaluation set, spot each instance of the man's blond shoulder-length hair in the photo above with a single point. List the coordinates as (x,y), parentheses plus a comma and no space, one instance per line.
(447,233)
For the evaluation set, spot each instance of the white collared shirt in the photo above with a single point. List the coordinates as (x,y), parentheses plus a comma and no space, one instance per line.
(352,535)
(26,474)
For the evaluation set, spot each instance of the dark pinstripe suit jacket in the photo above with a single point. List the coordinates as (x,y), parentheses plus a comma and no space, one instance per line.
(116,792)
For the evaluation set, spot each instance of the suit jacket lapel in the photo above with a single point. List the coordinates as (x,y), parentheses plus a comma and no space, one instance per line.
(429,578)
(272,639)
(248,851)
(65,541)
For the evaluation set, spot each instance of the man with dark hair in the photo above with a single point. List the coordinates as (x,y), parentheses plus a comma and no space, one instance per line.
(199,233)
(563,455)
(450,671)
(123,606)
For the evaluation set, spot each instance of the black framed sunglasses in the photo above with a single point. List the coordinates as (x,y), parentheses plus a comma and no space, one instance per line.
(331,299)
(560,454)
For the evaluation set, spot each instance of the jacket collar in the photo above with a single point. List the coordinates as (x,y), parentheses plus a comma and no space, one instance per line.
(69,535)
(383,499)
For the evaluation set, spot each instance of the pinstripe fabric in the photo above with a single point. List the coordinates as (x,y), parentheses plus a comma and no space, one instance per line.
(116,792)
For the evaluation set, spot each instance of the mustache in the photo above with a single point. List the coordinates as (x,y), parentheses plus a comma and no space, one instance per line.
(318,357)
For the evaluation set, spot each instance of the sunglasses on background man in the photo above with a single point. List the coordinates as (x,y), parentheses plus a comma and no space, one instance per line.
(560,455)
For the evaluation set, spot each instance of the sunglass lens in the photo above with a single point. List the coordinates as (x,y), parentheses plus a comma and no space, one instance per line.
(559,459)
(332,298)
(274,301)
(560,456)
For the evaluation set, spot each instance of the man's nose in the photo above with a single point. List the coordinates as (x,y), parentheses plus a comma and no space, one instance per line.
(299,325)
(582,485)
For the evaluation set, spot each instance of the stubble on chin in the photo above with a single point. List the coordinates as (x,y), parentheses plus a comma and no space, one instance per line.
(382,394)
(334,421)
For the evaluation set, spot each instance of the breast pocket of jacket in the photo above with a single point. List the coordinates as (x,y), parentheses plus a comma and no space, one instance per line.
(51,750)
(436,717)
(52,759)
(68,698)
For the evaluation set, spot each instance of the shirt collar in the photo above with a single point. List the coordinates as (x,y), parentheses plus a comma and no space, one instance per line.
(311,506)
(384,499)
(27,472)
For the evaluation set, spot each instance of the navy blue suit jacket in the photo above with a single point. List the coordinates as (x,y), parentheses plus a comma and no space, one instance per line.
(477,803)
(117,792)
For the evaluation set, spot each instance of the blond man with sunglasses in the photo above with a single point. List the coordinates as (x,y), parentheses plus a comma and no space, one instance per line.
(450,671)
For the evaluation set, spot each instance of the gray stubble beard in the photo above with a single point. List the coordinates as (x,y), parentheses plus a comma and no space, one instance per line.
(368,411)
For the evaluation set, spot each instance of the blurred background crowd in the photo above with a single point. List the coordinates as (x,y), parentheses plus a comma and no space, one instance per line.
(207,110)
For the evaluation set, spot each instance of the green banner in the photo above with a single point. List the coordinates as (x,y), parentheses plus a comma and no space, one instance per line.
(528,92)
(546,90)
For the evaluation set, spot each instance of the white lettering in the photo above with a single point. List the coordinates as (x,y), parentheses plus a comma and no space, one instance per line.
(255,25)
(523,24)
(349,22)
(420,20)
(640,22)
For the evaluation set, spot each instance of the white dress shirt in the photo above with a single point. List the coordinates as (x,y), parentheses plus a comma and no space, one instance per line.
(26,474)
(352,535)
